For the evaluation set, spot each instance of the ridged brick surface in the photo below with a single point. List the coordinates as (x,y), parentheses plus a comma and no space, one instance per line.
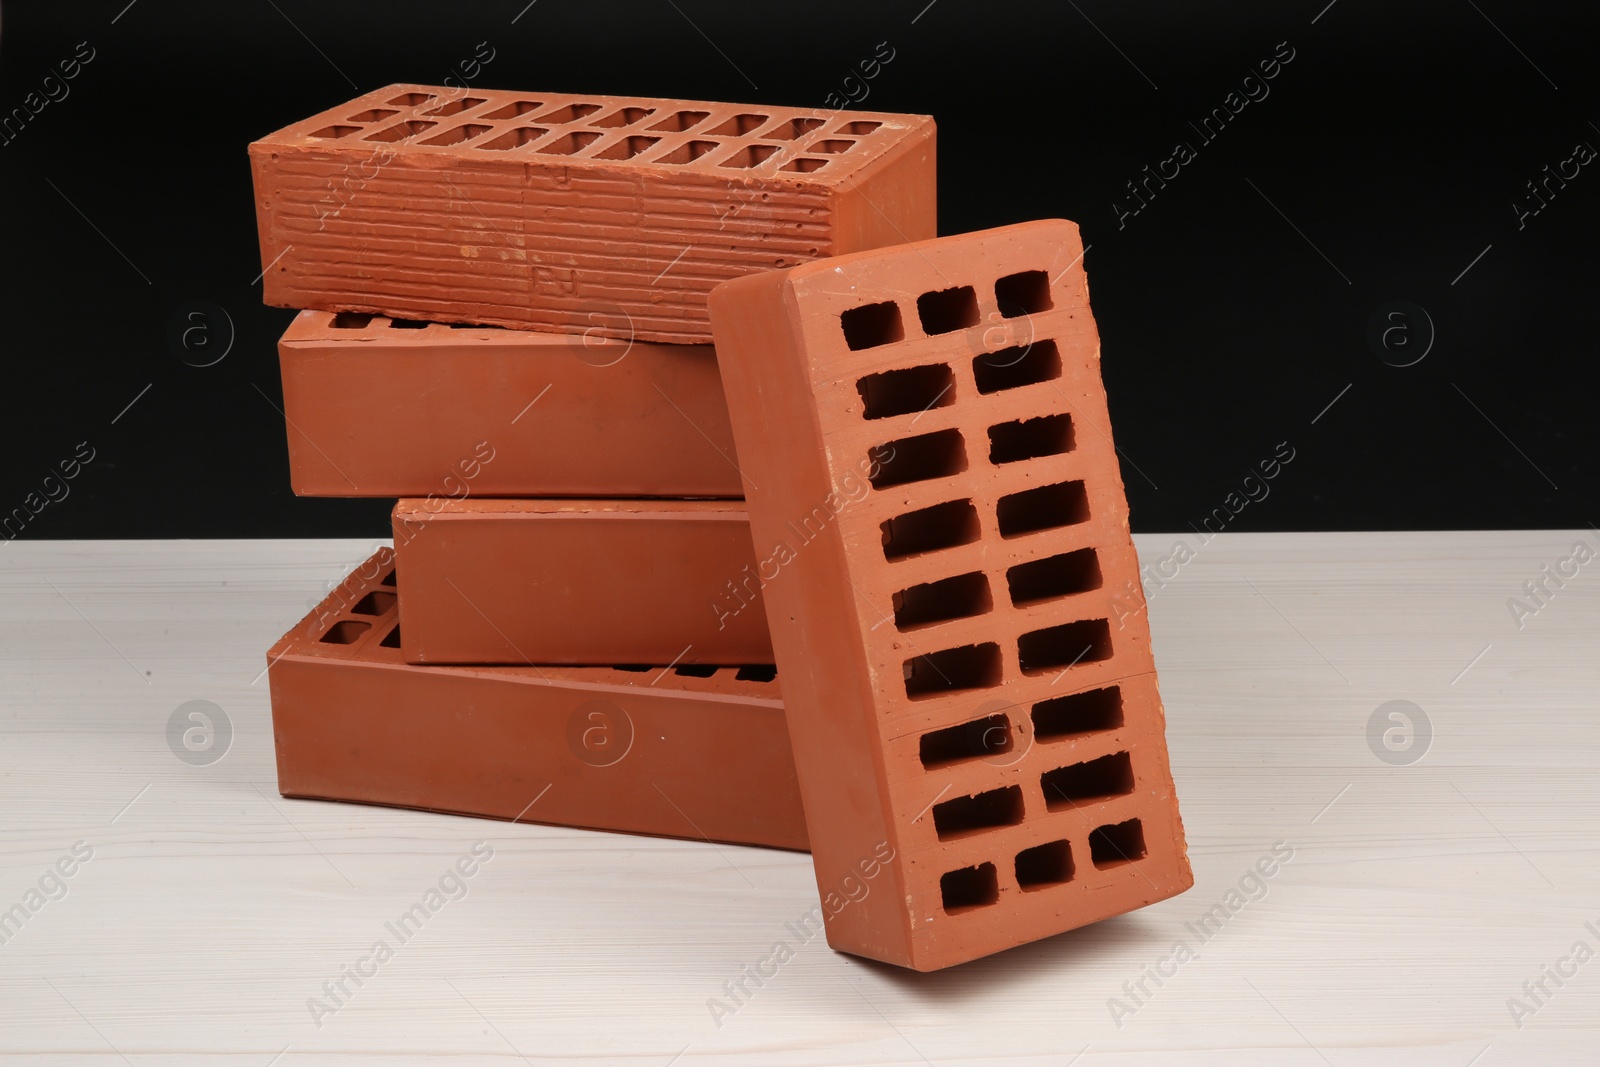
(674,752)
(390,408)
(558,212)
(960,626)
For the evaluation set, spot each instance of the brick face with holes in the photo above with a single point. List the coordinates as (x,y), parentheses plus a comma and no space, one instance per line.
(967,663)
(382,407)
(586,582)
(549,211)
(599,747)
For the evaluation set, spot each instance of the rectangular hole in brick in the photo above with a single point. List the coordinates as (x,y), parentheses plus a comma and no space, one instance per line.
(402,131)
(1066,574)
(871,325)
(952,670)
(689,151)
(388,579)
(1071,644)
(788,131)
(930,529)
(567,113)
(567,144)
(624,117)
(392,638)
(960,597)
(989,736)
(350,320)
(455,107)
(408,324)
(738,126)
(1044,508)
(515,109)
(1024,293)
(626,148)
(372,114)
(858,129)
(347,632)
(457,134)
(830,147)
(1012,368)
(948,310)
(918,459)
(679,121)
(964,816)
(1119,843)
(328,133)
(1044,865)
(1077,714)
(968,888)
(514,138)
(751,155)
(376,602)
(1084,783)
(633,668)
(695,670)
(1050,435)
(901,392)
(804,165)
(412,99)
(756,672)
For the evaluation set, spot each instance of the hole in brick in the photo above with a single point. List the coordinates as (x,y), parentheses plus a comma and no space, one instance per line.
(750,155)
(1064,646)
(457,134)
(930,529)
(626,148)
(1078,713)
(1011,368)
(350,320)
(988,736)
(1024,293)
(1083,783)
(679,121)
(376,602)
(515,109)
(372,114)
(347,632)
(948,310)
(689,151)
(788,131)
(412,99)
(983,811)
(455,107)
(1050,435)
(900,392)
(633,668)
(968,888)
(917,459)
(392,638)
(858,129)
(756,672)
(569,143)
(409,324)
(402,131)
(960,597)
(872,325)
(1044,508)
(514,138)
(738,126)
(388,579)
(952,670)
(1114,845)
(830,148)
(625,117)
(1062,575)
(567,113)
(804,165)
(1044,865)
(330,132)
(695,670)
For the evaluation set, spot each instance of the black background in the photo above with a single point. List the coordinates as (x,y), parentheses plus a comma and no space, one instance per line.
(1233,309)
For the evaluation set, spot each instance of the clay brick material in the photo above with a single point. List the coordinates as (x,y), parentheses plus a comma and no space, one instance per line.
(585,582)
(384,407)
(961,631)
(549,211)
(660,751)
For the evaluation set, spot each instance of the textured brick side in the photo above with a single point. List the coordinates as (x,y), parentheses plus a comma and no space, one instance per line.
(669,751)
(560,212)
(381,407)
(589,582)
(967,659)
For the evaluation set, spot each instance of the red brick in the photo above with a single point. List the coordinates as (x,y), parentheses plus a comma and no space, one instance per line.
(948,641)
(588,582)
(558,212)
(376,409)
(649,752)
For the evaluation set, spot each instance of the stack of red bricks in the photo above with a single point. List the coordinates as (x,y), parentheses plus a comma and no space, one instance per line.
(683,403)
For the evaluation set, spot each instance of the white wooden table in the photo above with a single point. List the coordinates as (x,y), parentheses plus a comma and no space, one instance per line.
(1420,897)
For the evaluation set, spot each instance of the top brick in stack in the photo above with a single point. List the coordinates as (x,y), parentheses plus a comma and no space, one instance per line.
(549,211)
